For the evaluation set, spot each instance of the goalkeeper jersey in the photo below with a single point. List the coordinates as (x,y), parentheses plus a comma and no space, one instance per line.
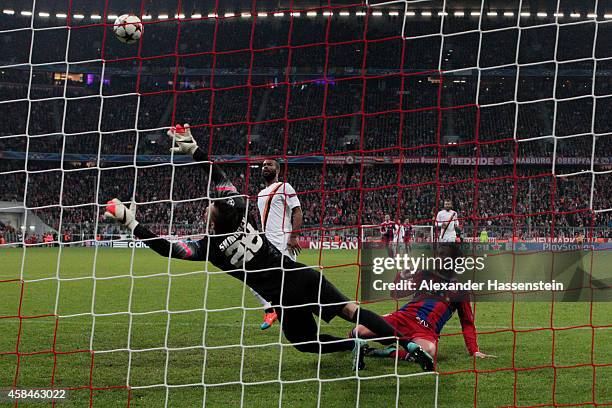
(236,245)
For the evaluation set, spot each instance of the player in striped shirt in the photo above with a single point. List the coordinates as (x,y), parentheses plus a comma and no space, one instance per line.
(447,223)
(281,216)
(405,236)
(398,238)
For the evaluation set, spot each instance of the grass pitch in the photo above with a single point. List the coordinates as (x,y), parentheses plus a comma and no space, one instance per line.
(188,329)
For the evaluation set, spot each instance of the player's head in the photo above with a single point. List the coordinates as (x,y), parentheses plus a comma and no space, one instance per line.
(213,212)
(270,169)
(387,217)
(210,215)
(406,221)
(448,204)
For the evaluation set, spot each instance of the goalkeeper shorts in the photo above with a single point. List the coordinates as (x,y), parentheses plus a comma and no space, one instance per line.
(306,286)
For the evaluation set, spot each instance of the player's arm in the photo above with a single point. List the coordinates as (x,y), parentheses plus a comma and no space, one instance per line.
(297,217)
(185,143)
(466,317)
(438,223)
(193,251)
(296,223)
(293,203)
(438,219)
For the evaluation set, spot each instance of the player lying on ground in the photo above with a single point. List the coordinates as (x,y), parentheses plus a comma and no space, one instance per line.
(234,245)
(421,319)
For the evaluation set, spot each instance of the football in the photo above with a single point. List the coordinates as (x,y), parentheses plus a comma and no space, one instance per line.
(128,28)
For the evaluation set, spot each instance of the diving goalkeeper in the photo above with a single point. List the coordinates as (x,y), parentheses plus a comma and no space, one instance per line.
(235,245)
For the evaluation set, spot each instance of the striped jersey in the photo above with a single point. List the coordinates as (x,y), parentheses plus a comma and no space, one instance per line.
(276,203)
(434,309)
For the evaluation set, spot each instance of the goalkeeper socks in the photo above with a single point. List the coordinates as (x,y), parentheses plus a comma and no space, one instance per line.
(377,325)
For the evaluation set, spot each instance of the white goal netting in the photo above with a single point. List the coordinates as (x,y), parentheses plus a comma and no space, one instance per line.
(374,108)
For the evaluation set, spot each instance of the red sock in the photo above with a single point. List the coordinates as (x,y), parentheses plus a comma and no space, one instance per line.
(402,354)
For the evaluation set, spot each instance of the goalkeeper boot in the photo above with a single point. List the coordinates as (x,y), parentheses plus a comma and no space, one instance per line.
(358,354)
(269,319)
(418,355)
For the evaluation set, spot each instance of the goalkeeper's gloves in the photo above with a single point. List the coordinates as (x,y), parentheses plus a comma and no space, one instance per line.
(182,137)
(117,211)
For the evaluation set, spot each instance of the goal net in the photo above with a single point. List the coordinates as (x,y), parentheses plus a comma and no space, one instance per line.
(409,233)
(372,108)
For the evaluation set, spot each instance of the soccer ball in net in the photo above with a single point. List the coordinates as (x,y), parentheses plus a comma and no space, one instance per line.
(128,29)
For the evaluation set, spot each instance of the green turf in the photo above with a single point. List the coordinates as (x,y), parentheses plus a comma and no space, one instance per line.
(231,373)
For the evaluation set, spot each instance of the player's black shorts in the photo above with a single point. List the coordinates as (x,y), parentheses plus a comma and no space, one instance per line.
(308,287)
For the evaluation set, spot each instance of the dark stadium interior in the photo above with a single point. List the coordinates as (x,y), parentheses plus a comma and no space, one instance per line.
(90,113)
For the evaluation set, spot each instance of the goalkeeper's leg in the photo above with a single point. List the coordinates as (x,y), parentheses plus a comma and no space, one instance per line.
(300,328)
(269,314)
(304,285)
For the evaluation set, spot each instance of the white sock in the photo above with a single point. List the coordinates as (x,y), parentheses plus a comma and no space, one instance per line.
(261,300)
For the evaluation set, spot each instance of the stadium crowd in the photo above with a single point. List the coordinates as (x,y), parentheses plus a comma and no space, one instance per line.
(333,197)
(329,93)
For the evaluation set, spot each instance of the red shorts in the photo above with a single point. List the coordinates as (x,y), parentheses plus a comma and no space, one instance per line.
(410,328)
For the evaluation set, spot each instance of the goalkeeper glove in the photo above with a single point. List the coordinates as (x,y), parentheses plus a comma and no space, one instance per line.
(116,210)
(185,143)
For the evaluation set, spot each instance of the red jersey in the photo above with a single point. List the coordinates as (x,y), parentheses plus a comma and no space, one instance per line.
(435,313)
(433,310)
(386,230)
(407,232)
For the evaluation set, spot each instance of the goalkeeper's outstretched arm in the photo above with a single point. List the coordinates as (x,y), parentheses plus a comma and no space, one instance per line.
(193,251)
(185,143)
